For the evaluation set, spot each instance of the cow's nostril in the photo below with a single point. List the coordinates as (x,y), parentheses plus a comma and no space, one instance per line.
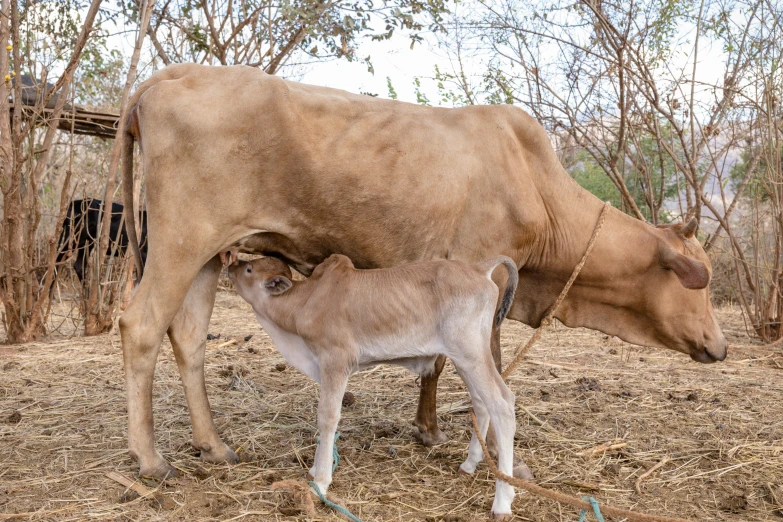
(718,350)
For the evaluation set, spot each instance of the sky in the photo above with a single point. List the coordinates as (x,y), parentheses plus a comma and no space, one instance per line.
(391,58)
(395,59)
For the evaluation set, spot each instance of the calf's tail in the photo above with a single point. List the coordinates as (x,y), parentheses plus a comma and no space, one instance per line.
(486,267)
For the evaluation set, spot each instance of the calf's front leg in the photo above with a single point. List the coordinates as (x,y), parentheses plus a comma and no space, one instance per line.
(334,380)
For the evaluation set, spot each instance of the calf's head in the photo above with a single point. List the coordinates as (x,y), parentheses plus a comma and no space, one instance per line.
(258,280)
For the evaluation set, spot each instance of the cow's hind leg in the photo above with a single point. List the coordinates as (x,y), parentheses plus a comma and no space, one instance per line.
(188,334)
(160,294)
(426,416)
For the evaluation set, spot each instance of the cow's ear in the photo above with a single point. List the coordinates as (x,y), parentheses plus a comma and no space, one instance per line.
(689,229)
(693,274)
(278,284)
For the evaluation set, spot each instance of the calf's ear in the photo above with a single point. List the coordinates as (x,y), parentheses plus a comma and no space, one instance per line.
(278,284)
(693,274)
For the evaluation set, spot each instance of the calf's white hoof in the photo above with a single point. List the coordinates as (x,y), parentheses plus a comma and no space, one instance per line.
(466,469)
(322,486)
(501,516)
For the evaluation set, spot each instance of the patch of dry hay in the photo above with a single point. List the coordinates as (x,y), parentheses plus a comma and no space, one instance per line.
(609,414)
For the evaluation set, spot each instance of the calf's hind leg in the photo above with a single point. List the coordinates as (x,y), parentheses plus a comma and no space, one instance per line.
(521,471)
(188,334)
(426,416)
(475,452)
(488,391)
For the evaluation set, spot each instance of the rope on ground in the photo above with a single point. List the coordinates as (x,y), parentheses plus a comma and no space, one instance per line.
(562,497)
(301,496)
(329,503)
(589,503)
(596,510)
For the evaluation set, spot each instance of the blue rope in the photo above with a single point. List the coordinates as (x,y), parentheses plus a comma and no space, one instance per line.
(329,503)
(596,510)
(335,454)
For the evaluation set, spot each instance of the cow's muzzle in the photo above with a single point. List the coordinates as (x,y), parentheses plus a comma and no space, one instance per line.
(711,352)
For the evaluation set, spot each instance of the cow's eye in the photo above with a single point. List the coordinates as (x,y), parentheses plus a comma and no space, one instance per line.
(248,270)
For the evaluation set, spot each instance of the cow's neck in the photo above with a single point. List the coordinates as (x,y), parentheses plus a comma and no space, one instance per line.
(605,293)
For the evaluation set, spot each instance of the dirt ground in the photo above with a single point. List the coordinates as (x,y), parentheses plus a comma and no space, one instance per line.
(717,429)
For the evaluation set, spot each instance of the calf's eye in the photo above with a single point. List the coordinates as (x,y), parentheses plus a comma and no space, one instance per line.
(248,270)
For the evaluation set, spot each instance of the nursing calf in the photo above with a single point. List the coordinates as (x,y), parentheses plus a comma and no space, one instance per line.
(342,320)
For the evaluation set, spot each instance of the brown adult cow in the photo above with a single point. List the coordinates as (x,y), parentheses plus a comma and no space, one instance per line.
(235,157)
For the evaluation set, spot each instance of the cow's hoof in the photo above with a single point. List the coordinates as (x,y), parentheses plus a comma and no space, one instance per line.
(162,471)
(430,438)
(522,472)
(501,516)
(219,455)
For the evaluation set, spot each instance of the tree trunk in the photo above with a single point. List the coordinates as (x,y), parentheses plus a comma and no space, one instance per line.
(98,317)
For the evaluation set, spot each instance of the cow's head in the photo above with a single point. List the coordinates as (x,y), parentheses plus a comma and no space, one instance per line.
(681,311)
(646,285)
(257,280)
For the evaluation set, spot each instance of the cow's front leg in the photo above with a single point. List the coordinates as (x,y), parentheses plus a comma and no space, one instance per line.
(334,380)
(426,415)
(188,334)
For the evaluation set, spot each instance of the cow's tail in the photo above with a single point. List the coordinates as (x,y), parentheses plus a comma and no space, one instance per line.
(131,131)
(487,267)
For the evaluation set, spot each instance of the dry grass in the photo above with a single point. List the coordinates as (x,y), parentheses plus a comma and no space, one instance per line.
(610,414)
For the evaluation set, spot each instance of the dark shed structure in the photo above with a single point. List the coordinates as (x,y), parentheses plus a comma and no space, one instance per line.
(83,121)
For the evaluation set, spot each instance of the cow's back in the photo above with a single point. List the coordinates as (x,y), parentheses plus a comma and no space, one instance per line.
(381,181)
